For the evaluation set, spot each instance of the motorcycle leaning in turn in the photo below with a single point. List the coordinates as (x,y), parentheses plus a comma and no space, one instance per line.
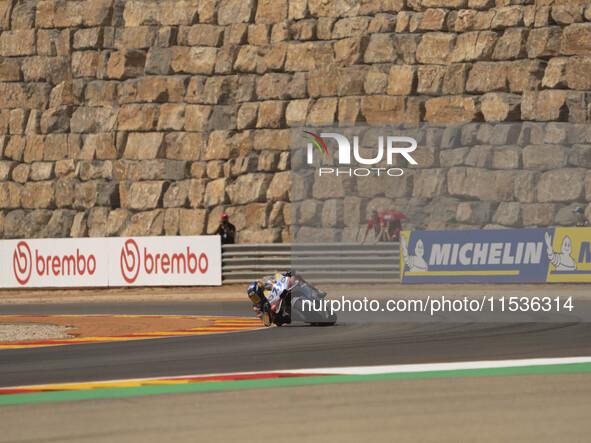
(282,298)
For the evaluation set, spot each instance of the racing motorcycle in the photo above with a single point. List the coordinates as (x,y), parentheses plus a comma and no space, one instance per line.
(291,298)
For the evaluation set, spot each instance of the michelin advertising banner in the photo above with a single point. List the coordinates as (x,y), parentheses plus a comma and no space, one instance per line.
(500,255)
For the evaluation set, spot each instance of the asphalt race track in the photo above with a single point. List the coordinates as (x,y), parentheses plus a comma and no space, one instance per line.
(536,407)
(289,347)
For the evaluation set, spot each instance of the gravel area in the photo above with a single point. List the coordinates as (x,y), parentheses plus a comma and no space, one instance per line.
(10,332)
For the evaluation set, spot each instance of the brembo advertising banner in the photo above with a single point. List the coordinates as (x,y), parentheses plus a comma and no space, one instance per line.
(96,262)
(165,261)
(496,255)
(54,263)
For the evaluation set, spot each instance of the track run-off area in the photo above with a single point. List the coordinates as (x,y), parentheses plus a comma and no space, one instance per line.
(416,381)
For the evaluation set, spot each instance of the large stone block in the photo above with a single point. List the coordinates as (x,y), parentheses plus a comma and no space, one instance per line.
(507,17)
(436,48)
(511,45)
(544,157)
(577,73)
(177,194)
(55,147)
(276,139)
(159,61)
(561,185)
(73,14)
(93,120)
(430,79)
(126,64)
(235,11)
(5,10)
(380,49)
(499,107)
(544,42)
(137,117)
(91,38)
(26,224)
(101,146)
(20,173)
(38,195)
(271,114)
(85,195)
(323,111)
(401,80)
(23,95)
(85,63)
(140,196)
(480,183)
(506,157)
(247,116)
(193,60)
(309,56)
(144,146)
(172,117)
(473,46)
(453,157)
(271,11)
(429,183)
(145,223)
(98,93)
(196,193)
(451,109)
(474,212)
(10,195)
(384,108)
(150,170)
(280,187)
(273,86)
(525,75)
(172,217)
(169,12)
(249,188)
(79,226)
(161,89)
(487,77)
(10,71)
(95,170)
(225,144)
(212,91)
(538,215)
(137,37)
(508,214)
(201,35)
(17,43)
(50,69)
(576,39)
(548,105)
(197,117)
(41,171)
(65,169)
(184,145)
(192,221)
(567,14)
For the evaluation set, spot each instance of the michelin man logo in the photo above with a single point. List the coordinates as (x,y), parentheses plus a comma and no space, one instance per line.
(416,262)
(562,260)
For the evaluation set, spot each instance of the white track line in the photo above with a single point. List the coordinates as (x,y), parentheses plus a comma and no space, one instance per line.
(361,370)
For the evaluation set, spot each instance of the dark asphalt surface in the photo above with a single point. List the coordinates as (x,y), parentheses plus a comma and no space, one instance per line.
(289,347)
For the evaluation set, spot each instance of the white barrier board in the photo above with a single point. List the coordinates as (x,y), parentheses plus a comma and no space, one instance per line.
(165,261)
(100,262)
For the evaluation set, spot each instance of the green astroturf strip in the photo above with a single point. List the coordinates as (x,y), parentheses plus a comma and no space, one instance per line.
(92,394)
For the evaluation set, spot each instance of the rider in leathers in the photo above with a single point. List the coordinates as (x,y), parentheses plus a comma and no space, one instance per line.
(258,290)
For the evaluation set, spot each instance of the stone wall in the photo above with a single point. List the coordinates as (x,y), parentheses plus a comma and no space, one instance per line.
(154,117)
